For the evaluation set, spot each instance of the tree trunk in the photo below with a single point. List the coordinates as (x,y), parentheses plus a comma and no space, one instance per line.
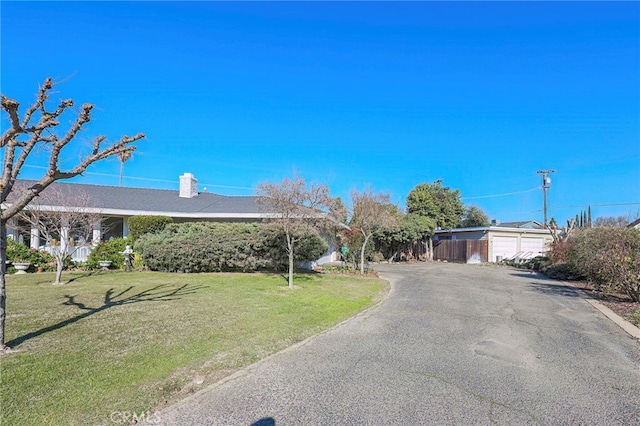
(430,255)
(362,250)
(3,291)
(59,266)
(290,247)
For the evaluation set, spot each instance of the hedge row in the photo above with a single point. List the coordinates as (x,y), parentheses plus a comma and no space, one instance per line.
(140,225)
(216,247)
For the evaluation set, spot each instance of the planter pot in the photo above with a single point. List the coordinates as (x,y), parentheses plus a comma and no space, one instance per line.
(104,264)
(21,267)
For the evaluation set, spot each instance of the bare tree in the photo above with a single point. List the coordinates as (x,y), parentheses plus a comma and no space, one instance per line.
(615,221)
(371,213)
(296,209)
(36,131)
(63,215)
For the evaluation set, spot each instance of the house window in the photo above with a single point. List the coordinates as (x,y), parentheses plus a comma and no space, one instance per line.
(112,227)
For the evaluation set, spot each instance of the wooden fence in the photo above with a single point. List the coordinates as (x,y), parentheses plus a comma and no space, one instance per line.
(467,251)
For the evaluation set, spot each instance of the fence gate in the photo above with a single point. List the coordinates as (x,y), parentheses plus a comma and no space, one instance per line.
(468,251)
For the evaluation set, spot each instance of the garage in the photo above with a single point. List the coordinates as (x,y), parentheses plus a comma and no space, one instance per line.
(532,247)
(504,248)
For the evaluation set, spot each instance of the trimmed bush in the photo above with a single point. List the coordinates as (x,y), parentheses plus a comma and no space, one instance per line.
(218,247)
(607,257)
(140,225)
(203,247)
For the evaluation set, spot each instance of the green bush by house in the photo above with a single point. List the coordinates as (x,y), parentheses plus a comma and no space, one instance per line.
(109,250)
(17,252)
(216,247)
(140,225)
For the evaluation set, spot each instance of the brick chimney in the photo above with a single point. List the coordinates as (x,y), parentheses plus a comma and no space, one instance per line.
(188,186)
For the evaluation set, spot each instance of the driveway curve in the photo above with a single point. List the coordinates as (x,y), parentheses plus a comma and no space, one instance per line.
(453,344)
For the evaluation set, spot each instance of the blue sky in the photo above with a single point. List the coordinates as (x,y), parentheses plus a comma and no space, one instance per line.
(387,95)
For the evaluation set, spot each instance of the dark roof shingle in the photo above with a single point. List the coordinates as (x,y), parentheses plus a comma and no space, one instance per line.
(155,200)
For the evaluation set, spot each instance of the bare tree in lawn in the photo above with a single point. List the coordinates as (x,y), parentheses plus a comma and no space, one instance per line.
(296,209)
(66,215)
(36,132)
(371,212)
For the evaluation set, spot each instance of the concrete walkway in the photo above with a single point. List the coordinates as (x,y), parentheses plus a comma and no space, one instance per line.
(452,345)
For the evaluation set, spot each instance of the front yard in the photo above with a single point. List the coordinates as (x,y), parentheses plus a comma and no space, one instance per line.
(128,342)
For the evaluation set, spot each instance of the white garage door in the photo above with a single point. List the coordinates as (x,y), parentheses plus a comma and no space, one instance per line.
(532,247)
(504,247)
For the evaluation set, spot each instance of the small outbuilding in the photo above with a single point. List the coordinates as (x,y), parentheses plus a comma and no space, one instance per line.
(494,243)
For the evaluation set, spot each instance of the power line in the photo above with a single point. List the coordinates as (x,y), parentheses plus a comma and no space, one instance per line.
(150,179)
(596,205)
(501,195)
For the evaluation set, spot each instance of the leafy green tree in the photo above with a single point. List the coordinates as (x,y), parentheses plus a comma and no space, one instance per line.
(473,216)
(438,203)
(411,228)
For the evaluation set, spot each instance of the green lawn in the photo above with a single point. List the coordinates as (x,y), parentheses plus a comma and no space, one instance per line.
(131,341)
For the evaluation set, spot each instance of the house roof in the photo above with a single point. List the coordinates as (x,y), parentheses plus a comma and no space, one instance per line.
(523,226)
(635,224)
(529,224)
(136,201)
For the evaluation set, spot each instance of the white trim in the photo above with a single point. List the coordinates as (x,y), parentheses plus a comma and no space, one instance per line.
(494,228)
(127,212)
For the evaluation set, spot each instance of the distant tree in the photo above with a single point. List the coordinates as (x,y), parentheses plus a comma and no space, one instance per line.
(411,228)
(296,210)
(339,211)
(611,222)
(36,132)
(553,224)
(371,212)
(65,216)
(474,216)
(437,202)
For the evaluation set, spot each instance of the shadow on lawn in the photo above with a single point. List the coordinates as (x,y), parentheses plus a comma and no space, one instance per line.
(159,293)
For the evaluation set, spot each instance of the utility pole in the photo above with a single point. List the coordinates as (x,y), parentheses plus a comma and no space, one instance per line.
(546,182)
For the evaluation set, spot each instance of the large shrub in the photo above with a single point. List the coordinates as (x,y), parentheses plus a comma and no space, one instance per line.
(203,247)
(217,247)
(140,225)
(607,257)
(307,248)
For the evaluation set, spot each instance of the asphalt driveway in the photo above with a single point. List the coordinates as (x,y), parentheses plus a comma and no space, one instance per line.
(452,345)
